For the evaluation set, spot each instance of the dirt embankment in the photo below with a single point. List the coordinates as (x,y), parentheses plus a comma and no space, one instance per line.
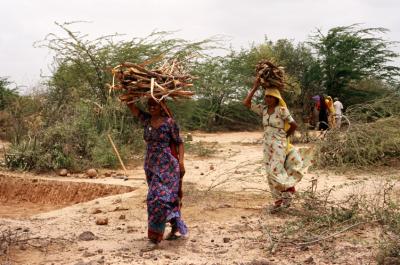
(22,197)
(54,192)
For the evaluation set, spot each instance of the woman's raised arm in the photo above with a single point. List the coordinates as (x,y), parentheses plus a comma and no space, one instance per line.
(134,110)
(247,100)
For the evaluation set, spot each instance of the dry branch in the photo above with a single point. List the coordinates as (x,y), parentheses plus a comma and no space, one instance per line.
(270,75)
(168,80)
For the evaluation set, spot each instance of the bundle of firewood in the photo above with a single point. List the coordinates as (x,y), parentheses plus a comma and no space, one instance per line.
(270,76)
(136,81)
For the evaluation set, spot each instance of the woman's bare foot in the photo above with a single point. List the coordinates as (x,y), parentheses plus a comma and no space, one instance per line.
(172,236)
(279,205)
(150,246)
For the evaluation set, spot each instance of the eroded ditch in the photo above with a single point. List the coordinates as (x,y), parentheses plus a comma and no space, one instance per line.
(23,197)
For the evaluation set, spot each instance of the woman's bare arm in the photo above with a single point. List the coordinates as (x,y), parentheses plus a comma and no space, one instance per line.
(293,127)
(181,152)
(247,100)
(134,110)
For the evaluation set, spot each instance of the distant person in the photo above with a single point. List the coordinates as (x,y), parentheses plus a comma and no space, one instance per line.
(315,105)
(164,171)
(331,112)
(338,112)
(282,161)
(323,115)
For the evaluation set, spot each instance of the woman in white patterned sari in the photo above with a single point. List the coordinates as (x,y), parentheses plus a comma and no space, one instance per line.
(283,163)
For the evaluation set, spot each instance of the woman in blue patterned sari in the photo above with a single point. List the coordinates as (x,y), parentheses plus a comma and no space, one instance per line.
(163,172)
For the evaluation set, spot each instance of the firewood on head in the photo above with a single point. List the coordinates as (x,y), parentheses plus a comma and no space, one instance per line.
(270,75)
(136,81)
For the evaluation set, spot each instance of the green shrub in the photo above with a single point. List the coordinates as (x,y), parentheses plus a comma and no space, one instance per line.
(78,140)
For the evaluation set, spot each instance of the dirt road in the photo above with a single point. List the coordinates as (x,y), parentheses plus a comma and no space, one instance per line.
(225,197)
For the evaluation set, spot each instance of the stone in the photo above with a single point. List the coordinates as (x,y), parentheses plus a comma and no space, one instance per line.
(122,217)
(226,239)
(102,221)
(87,236)
(63,172)
(91,173)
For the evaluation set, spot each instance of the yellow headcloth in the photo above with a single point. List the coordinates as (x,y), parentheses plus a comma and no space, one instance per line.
(276,94)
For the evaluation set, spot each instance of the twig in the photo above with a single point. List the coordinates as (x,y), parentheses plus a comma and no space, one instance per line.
(333,235)
(117,153)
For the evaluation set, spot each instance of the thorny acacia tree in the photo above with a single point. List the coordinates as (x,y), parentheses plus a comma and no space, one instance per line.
(350,53)
(84,64)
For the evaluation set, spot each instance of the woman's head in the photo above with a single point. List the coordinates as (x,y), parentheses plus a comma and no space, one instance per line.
(158,108)
(154,107)
(272,97)
(271,100)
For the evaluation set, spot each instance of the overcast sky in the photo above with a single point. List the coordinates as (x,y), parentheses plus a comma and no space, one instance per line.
(245,21)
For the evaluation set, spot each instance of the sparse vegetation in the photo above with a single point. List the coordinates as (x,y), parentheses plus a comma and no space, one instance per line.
(317,217)
(201,149)
(372,139)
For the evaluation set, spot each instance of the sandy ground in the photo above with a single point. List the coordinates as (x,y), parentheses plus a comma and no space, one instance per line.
(224,206)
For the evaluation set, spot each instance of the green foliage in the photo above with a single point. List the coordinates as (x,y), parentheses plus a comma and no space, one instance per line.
(218,84)
(77,111)
(103,155)
(349,54)
(23,117)
(224,81)
(302,69)
(7,95)
(76,142)
(385,106)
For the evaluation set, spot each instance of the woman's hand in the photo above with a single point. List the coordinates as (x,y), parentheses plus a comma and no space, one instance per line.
(134,110)
(293,127)
(182,168)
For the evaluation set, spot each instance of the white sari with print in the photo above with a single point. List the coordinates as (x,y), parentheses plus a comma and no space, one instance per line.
(283,167)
